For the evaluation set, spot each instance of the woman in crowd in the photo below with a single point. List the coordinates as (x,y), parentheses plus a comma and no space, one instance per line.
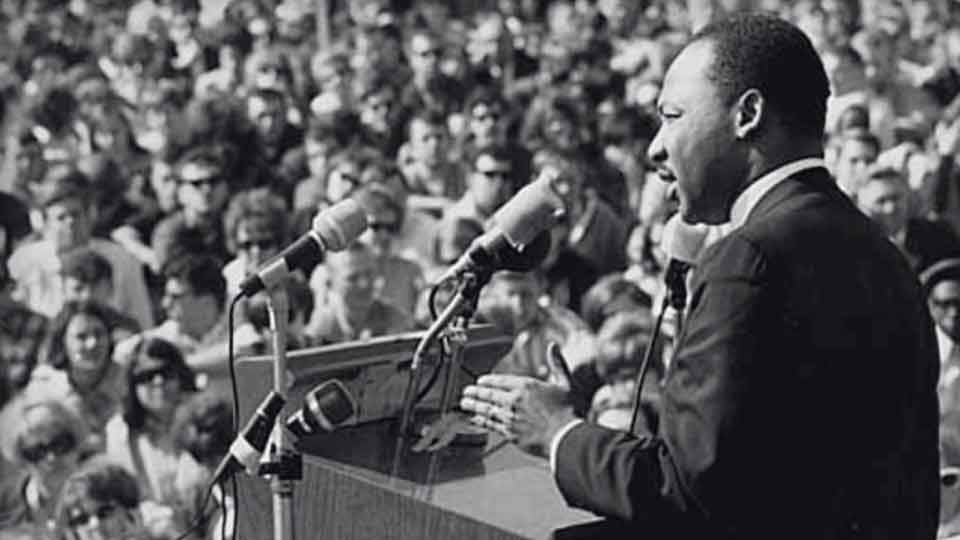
(80,366)
(101,501)
(140,437)
(43,439)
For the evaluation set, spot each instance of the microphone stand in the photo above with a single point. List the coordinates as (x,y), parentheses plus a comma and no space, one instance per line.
(457,315)
(285,465)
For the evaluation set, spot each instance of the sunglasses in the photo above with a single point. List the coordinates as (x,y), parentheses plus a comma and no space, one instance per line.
(385,226)
(151,375)
(79,518)
(428,53)
(264,244)
(58,446)
(199,182)
(486,116)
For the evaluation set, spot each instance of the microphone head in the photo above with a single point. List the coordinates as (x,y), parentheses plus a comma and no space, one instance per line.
(326,407)
(535,208)
(683,241)
(525,259)
(338,226)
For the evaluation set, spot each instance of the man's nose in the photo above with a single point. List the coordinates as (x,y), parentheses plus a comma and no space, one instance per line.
(657,152)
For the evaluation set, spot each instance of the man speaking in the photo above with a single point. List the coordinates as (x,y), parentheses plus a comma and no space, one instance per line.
(801,401)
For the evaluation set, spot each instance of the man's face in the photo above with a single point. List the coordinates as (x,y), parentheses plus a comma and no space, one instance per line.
(944,303)
(376,111)
(696,143)
(424,56)
(268,116)
(81,291)
(428,142)
(485,123)
(518,297)
(352,277)
(255,243)
(855,156)
(202,189)
(87,344)
(383,224)
(67,224)
(885,202)
(196,314)
(489,183)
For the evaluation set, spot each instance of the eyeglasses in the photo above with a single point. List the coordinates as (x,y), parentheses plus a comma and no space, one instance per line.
(427,53)
(264,244)
(386,226)
(198,183)
(153,376)
(486,116)
(495,174)
(945,303)
(79,518)
(58,446)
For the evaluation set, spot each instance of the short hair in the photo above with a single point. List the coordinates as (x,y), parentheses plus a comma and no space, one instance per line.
(428,115)
(134,413)
(856,116)
(485,95)
(68,183)
(101,481)
(775,57)
(862,136)
(212,156)
(261,205)
(881,173)
(86,266)
(202,272)
(602,300)
(56,349)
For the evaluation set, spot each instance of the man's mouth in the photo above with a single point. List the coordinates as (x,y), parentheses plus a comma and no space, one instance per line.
(666,175)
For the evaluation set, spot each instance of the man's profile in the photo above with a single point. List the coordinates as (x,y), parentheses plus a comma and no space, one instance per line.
(801,399)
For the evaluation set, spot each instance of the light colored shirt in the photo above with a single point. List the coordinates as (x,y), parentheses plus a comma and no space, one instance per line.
(36,269)
(742,207)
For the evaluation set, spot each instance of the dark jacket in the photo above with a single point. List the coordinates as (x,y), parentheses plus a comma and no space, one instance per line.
(801,401)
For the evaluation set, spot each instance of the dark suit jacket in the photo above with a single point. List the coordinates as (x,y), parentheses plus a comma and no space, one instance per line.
(927,241)
(801,402)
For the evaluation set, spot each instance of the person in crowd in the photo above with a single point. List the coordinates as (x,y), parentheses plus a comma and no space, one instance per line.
(400,278)
(35,266)
(350,309)
(621,343)
(434,180)
(256,228)
(86,276)
(202,192)
(429,87)
(856,150)
(102,500)
(233,45)
(194,298)
(941,284)
(203,428)
(44,439)
(512,301)
(376,98)
(610,295)
(489,185)
(328,138)
(800,297)
(139,437)
(883,195)
(488,119)
(79,367)
(267,110)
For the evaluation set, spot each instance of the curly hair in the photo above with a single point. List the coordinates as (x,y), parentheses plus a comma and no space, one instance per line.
(261,205)
(56,349)
(98,481)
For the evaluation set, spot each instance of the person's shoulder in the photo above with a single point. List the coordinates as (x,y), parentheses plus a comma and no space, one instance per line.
(26,256)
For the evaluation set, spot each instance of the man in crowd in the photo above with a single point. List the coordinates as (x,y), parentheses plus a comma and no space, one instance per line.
(789,311)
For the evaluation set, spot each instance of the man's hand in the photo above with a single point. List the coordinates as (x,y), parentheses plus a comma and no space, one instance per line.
(525,410)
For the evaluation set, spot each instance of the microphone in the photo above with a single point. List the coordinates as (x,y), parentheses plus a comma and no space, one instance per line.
(326,407)
(333,230)
(518,238)
(683,243)
(247,448)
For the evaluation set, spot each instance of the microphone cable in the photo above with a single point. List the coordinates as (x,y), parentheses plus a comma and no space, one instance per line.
(645,366)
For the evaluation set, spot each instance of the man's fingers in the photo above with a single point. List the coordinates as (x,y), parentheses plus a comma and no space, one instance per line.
(488,409)
(504,381)
(496,396)
(492,424)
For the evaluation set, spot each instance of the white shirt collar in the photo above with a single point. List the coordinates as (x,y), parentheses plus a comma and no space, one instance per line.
(746,201)
(945,345)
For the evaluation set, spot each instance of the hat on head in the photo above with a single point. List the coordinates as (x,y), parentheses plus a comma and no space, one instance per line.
(943,270)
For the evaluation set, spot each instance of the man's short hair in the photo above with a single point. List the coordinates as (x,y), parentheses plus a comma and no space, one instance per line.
(202,272)
(86,266)
(68,183)
(429,116)
(775,57)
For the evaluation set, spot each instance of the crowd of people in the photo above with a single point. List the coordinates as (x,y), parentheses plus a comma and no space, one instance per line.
(156,153)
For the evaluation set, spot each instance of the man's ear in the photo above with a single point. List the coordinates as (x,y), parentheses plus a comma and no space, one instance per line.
(750,110)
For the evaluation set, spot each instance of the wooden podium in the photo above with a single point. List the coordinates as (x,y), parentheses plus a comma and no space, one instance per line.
(364,481)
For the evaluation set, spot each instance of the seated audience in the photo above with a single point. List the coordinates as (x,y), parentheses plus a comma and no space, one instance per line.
(35,266)
(941,285)
(256,228)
